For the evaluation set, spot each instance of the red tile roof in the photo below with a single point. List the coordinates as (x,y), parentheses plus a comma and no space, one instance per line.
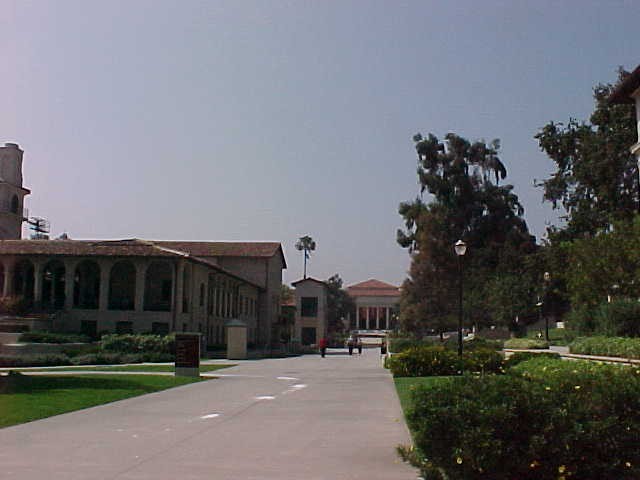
(373,288)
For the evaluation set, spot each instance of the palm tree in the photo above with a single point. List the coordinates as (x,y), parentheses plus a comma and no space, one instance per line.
(306,244)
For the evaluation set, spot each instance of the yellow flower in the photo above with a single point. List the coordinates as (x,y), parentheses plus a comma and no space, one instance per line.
(627,464)
(534,464)
(561,469)
(547,388)
(459,460)
(577,387)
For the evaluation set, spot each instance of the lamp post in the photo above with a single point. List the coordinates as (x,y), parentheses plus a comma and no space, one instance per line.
(547,279)
(460,248)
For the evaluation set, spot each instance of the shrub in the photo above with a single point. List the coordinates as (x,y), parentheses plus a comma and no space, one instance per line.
(106,358)
(519,357)
(526,343)
(14,306)
(607,346)
(130,343)
(618,318)
(436,361)
(474,343)
(50,337)
(547,419)
(49,360)
(401,344)
(425,362)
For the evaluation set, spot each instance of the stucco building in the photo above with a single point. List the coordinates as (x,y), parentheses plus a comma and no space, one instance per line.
(376,304)
(136,285)
(311,310)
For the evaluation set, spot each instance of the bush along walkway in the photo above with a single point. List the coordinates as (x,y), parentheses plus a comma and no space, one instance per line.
(564,353)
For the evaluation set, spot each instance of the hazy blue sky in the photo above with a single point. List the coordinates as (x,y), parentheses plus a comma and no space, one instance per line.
(269,120)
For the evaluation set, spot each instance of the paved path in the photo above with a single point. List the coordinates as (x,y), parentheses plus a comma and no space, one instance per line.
(296,418)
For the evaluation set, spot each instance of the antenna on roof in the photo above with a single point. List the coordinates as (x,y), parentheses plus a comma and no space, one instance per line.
(40,228)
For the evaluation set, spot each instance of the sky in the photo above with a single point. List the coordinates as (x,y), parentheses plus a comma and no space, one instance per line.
(270,120)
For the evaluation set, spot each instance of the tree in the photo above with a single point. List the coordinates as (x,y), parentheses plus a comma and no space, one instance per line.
(339,304)
(596,177)
(306,244)
(468,202)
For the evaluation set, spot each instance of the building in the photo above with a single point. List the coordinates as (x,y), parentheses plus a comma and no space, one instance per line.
(628,91)
(136,285)
(12,193)
(376,304)
(311,310)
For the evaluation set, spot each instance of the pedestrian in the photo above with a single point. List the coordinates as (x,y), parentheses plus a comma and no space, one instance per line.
(350,345)
(323,346)
(383,348)
(359,346)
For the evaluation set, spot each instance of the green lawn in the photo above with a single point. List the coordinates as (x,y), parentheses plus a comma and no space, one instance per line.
(129,368)
(556,335)
(404,386)
(29,397)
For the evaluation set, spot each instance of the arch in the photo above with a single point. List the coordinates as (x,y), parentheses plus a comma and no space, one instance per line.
(86,285)
(122,286)
(158,287)
(15,204)
(53,285)
(23,280)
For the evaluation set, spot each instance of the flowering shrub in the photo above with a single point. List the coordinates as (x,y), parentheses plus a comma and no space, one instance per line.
(545,419)
(519,357)
(607,346)
(436,361)
(129,343)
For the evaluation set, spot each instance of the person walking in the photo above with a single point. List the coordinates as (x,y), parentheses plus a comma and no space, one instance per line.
(323,346)
(359,346)
(383,348)
(350,345)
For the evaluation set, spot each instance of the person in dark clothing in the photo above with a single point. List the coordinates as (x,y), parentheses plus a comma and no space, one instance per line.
(350,345)
(359,347)
(383,348)
(323,346)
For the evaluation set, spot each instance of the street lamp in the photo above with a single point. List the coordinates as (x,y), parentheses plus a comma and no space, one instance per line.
(547,279)
(460,248)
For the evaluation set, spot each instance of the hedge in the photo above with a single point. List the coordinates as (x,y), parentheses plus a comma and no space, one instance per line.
(618,318)
(519,357)
(438,361)
(545,419)
(130,343)
(50,337)
(526,343)
(607,346)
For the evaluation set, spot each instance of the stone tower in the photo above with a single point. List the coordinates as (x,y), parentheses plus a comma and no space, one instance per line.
(12,193)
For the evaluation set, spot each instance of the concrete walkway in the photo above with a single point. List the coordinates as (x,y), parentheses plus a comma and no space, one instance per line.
(295,418)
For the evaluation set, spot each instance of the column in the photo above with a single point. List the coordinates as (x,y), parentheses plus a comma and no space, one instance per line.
(9,268)
(69,277)
(357,317)
(141,270)
(105,273)
(37,284)
(177,301)
(388,315)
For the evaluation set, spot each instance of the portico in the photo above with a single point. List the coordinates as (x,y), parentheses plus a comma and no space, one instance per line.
(376,305)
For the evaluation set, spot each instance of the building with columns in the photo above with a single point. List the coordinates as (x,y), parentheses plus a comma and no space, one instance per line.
(95,286)
(376,304)
(133,285)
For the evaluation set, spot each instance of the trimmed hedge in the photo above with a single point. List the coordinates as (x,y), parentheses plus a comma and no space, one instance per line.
(402,344)
(476,343)
(618,318)
(50,360)
(607,346)
(438,361)
(545,419)
(519,357)
(50,337)
(526,343)
(130,343)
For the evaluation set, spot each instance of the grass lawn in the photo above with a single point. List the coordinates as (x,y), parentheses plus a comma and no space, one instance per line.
(27,398)
(556,335)
(404,386)
(130,368)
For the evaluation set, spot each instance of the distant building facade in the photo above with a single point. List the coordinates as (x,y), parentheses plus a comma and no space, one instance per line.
(311,311)
(376,305)
(136,285)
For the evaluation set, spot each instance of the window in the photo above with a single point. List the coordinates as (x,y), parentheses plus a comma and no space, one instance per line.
(124,327)
(15,204)
(309,306)
(160,328)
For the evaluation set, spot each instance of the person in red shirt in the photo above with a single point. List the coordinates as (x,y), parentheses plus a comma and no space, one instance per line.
(323,346)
